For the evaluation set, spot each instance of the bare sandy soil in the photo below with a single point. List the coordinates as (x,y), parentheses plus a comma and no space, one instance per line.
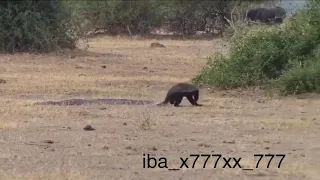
(49,142)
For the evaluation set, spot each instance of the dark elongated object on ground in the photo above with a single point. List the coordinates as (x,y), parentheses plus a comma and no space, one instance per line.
(71,102)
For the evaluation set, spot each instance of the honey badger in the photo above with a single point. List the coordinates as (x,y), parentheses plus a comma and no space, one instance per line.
(180,90)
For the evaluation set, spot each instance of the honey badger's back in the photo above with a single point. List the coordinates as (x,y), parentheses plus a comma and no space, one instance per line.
(182,88)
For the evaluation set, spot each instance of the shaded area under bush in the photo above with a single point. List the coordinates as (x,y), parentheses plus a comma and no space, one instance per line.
(141,17)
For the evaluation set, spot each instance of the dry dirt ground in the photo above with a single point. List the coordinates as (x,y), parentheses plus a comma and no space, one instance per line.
(49,142)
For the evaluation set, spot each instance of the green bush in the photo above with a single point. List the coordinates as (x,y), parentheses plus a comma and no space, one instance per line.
(298,80)
(35,25)
(255,56)
(264,55)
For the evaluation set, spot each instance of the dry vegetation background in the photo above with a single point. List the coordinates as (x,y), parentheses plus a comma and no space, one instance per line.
(237,123)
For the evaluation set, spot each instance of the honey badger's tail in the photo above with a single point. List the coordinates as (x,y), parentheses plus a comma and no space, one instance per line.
(164,102)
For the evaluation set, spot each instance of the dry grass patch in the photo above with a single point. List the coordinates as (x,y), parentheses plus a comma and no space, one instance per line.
(8,124)
(46,176)
(282,123)
(310,171)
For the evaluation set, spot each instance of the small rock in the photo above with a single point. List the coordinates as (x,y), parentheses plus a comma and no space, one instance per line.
(105,147)
(89,144)
(124,123)
(107,84)
(104,66)
(78,67)
(81,75)
(261,174)
(154,148)
(156,45)
(145,67)
(229,142)
(48,141)
(88,128)
(130,148)
(204,145)
(267,148)
(103,108)
(2,81)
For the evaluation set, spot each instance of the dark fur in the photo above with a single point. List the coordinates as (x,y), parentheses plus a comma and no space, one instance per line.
(268,16)
(180,90)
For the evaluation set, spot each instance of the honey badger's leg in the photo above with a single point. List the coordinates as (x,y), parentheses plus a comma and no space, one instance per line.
(196,95)
(172,101)
(192,101)
(193,98)
(171,98)
(177,100)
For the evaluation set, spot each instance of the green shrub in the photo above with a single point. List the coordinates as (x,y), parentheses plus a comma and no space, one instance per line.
(300,79)
(255,56)
(261,55)
(35,25)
